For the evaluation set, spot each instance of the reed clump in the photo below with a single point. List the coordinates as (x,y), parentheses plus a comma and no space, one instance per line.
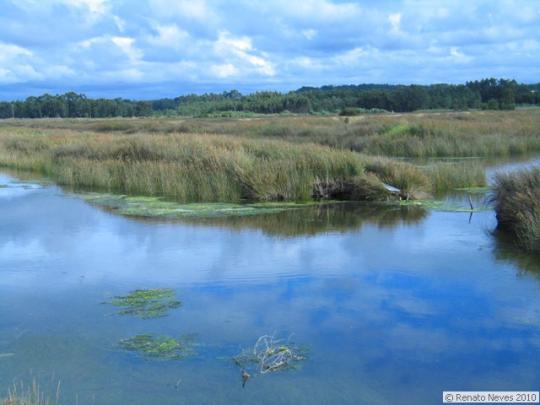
(517,205)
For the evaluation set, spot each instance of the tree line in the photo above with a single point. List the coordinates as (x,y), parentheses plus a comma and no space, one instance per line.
(347,100)
(485,94)
(72,105)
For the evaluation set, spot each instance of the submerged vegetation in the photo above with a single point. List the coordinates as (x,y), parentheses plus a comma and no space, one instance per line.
(146,304)
(517,204)
(269,355)
(159,347)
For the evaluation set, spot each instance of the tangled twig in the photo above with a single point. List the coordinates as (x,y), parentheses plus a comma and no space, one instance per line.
(270,355)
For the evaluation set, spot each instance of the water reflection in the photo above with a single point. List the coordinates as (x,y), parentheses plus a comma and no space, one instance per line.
(395,304)
(320,219)
(506,250)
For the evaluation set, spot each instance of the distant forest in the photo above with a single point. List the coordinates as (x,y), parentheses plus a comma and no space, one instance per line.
(489,94)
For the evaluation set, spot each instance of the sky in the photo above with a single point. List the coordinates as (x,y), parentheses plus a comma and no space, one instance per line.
(146,49)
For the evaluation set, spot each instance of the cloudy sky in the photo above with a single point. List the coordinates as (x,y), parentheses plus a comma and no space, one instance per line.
(153,48)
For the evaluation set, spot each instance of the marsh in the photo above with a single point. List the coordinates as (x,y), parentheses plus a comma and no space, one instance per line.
(381,296)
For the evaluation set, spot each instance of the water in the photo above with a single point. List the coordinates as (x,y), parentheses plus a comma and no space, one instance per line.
(394,304)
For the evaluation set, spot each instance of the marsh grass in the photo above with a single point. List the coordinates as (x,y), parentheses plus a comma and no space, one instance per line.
(517,205)
(446,176)
(421,135)
(278,158)
(182,168)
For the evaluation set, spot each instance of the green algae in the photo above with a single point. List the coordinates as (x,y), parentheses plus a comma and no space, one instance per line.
(159,347)
(146,304)
(155,207)
(438,205)
(474,190)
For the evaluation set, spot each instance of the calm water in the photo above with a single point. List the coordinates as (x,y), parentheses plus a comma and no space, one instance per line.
(394,304)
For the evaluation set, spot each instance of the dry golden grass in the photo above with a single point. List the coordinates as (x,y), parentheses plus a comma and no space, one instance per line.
(432,134)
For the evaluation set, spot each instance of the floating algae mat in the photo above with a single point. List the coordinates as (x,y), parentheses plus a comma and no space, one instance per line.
(159,347)
(146,304)
(158,208)
(474,190)
(446,206)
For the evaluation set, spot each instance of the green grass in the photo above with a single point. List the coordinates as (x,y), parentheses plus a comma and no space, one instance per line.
(446,176)
(517,205)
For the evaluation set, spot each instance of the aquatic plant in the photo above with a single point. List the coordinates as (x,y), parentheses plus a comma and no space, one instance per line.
(159,347)
(446,206)
(474,190)
(270,355)
(21,394)
(151,303)
(155,207)
(517,205)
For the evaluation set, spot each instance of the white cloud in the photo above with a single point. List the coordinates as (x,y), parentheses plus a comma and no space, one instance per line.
(93,6)
(120,23)
(309,34)
(316,9)
(192,9)
(170,36)
(223,71)
(395,21)
(9,51)
(241,48)
(458,56)
(350,57)
(16,64)
(126,44)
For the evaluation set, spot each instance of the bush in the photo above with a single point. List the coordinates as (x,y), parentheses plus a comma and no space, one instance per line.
(517,205)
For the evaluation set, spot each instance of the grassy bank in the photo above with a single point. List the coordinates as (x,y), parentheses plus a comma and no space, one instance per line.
(191,168)
(517,204)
